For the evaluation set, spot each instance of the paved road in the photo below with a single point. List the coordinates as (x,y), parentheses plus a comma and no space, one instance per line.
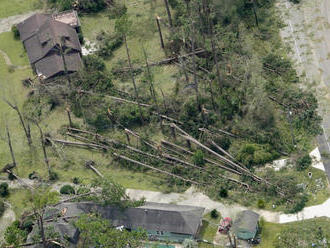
(308,34)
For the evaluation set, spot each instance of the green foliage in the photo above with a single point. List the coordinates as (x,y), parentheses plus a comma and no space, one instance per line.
(15,32)
(98,232)
(114,194)
(117,11)
(108,44)
(123,25)
(303,162)
(252,154)
(42,197)
(223,193)
(2,208)
(298,204)
(303,235)
(53,176)
(261,203)
(4,189)
(129,115)
(93,63)
(76,180)
(214,214)
(87,6)
(188,243)
(67,190)
(14,235)
(198,158)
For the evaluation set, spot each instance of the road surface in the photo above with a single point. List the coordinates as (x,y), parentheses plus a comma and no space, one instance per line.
(308,34)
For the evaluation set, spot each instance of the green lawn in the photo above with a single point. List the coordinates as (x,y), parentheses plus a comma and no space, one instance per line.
(14,49)
(16,7)
(71,161)
(270,231)
(143,34)
(209,229)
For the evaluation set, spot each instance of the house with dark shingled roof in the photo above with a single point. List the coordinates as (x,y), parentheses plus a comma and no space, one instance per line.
(163,222)
(52,46)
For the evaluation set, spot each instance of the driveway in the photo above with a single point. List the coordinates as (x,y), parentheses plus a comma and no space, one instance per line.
(8,22)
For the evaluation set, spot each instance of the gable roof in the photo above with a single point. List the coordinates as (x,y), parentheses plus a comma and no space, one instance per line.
(30,25)
(53,65)
(152,216)
(42,37)
(246,221)
(49,36)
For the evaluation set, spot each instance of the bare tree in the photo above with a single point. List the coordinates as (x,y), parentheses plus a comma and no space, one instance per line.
(168,13)
(25,126)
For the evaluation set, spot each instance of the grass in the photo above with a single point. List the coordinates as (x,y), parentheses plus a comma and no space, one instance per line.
(16,7)
(143,34)
(71,162)
(271,230)
(209,229)
(14,49)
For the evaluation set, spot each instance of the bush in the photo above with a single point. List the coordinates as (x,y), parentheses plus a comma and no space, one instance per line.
(15,32)
(83,190)
(303,162)
(214,214)
(11,177)
(93,63)
(76,180)
(67,190)
(198,158)
(223,193)
(4,189)
(53,176)
(261,203)
(27,224)
(2,208)
(117,11)
(298,205)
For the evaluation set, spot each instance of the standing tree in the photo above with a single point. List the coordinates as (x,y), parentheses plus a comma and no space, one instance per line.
(97,232)
(39,200)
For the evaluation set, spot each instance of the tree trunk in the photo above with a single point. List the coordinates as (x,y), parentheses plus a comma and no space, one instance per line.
(42,140)
(27,130)
(42,232)
(152,88)
(255,13)
(11,147)
(168,13)
(132,77)
(160,33)
(194,66)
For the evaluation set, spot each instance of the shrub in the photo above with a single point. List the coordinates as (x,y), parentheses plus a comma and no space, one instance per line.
(261,203)
(198,158)
(53,176)
(11,177)
(223,193)
(4,191)
(214,214)
(83,190)
(93,63)
(15,32)
(298,205)
(76,180)
(27,224)
(303,162)
(2,208)
(67,190)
